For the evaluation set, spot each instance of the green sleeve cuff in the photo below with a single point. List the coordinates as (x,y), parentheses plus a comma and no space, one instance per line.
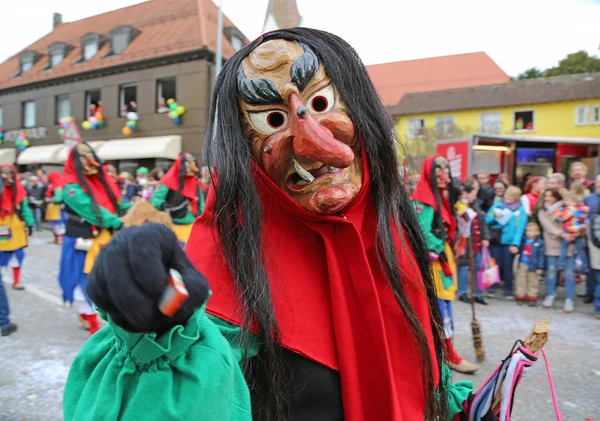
(458,392)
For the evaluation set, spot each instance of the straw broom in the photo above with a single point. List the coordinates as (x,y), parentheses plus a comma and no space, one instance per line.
(475,329)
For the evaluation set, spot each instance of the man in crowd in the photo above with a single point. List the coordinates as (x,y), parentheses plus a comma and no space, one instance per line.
(485,195)
(593,202)
(578,172)
(36,193)
(556,181)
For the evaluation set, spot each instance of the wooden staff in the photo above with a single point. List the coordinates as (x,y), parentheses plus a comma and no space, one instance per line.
(475,329)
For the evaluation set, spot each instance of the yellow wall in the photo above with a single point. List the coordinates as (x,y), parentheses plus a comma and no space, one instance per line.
(551,119)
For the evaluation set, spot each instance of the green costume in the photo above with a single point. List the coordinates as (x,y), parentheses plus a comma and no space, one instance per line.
(81,203)
(159,201)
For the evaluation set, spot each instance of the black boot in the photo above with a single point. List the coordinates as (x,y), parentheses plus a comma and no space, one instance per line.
(10,329)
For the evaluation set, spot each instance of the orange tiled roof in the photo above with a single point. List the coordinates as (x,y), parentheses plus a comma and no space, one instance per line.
(166,27)
(393,80)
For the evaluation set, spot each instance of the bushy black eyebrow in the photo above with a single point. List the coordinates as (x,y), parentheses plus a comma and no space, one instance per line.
(305,67)
(257,91)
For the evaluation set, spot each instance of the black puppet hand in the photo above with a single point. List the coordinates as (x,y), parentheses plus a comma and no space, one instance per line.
(30,230)
(131,273)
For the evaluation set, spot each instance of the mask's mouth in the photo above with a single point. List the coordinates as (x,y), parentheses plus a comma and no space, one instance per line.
(303,177)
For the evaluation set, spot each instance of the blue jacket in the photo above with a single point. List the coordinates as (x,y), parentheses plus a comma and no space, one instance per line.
(538,255)
(513,231)
(593,202)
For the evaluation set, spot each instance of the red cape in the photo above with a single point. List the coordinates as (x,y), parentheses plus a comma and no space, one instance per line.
(7,207)
(190,183)
(424,193)
(54,181)
(331,299)
(100,193)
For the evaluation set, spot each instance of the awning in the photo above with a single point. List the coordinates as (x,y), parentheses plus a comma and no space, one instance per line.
(144,147)
(63,154)
(542,139)
(8,155)
(40,155)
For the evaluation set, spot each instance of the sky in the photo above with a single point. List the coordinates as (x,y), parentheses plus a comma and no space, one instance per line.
(516,34)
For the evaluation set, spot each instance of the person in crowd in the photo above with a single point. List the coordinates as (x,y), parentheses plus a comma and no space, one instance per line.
(16,222)
(6,327)
(141,174)
(573,214)
(580,189)
(592,201)
(36,194)
(54,213)
(111,171)
(532,200)
(531,265)
(557,181)
(130,189)
(486,192)
(499,190)
(41,175)
(524,180)
(504,178)
(578,172)
(507,221)
(473,224)
(553,235)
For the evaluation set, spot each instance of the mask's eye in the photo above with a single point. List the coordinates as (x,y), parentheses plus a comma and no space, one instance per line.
(322,101)
(269,122)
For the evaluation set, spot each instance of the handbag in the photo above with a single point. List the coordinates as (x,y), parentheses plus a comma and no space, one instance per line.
(83,244)
(489,272)
(495,235)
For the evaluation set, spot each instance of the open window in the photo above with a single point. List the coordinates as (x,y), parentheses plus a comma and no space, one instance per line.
(127,99)
(165,90)
(93,103)
(524,121)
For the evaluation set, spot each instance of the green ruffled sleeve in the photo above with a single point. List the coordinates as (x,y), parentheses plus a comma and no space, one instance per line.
(425,214)
(458,392)
(158,199)
(189,373)
(81,203)
(56,195)
(27,214)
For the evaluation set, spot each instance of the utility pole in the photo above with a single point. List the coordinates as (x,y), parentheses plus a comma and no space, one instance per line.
(219,54)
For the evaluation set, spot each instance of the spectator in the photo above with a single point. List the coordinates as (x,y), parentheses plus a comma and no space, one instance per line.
(578,172)
(36,196)
(474,222)
(141,173)
(524,180)
(557,181)
(499,190)
(486,192)
(592,201)
(6,327)
(553,234)
(130,188)
(507,221)
(573,214)
(531,265)
(532,199)
(43,177)
(504,178)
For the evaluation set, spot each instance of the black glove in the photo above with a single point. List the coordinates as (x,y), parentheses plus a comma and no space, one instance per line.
(131,273)
(30,230)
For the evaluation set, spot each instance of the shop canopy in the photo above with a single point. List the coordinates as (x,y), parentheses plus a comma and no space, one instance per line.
(8,155)
(493,138)
(46,154)
(63,153)
(168,147)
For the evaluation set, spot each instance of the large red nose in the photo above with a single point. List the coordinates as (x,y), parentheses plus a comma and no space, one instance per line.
(314,141)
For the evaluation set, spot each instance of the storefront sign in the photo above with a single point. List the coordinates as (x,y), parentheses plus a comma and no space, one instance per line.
(35,133)
(457,153)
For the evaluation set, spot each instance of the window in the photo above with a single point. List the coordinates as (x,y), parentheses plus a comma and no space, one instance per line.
(63,107)
(1,117)
(90,48)
(444,127)
(26,65)
(56,58)
(92,103)
(415,128)
(165,90)
(119,42)
(29,114)
(524,121)
(490,123)
(587,114)
(236,43)
(127,99)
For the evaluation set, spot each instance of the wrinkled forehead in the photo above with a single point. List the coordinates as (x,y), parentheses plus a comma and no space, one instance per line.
(83,149)
(440,162)
(5,170)
(189,158)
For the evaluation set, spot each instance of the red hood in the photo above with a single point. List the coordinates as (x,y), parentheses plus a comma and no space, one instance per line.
(331,299)
(190,183)
(54,181)
(7,206)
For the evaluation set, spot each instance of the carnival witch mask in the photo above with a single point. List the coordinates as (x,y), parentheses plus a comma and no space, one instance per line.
(88,161)
(190,165)
(8,177)
(441,168)
(300,133)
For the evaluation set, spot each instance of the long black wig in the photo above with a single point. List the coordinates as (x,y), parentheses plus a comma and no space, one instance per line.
(238,212)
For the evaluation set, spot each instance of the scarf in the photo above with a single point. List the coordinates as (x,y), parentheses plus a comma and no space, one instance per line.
(7,206)
(190,183)
(54,181)
(513,206)
(332,301)
(98,190)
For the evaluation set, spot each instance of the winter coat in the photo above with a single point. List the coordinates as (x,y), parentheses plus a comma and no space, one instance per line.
(513,230)
(552,230)
(537,260)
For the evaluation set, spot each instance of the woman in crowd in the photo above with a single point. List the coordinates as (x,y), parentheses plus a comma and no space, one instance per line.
(532,199)
(499,190)
(553,234)
(507,221)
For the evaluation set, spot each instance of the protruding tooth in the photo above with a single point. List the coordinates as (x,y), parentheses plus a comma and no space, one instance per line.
(332,169)
(308,177)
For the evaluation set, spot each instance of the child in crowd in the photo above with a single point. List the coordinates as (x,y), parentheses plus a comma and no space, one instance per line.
(507,221)
(573,214)
(531,265)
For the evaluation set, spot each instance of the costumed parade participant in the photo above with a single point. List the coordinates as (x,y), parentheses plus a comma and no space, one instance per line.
(179,195)
(92,207)
(16,223)
(54,213)
(323,305)
(434,199)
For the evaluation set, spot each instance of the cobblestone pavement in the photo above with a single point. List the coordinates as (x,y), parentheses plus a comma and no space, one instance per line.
(35,360)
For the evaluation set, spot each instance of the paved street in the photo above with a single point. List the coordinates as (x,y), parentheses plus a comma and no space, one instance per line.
(35,360)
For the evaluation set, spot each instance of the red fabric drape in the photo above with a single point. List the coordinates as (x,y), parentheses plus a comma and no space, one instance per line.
(190,183)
